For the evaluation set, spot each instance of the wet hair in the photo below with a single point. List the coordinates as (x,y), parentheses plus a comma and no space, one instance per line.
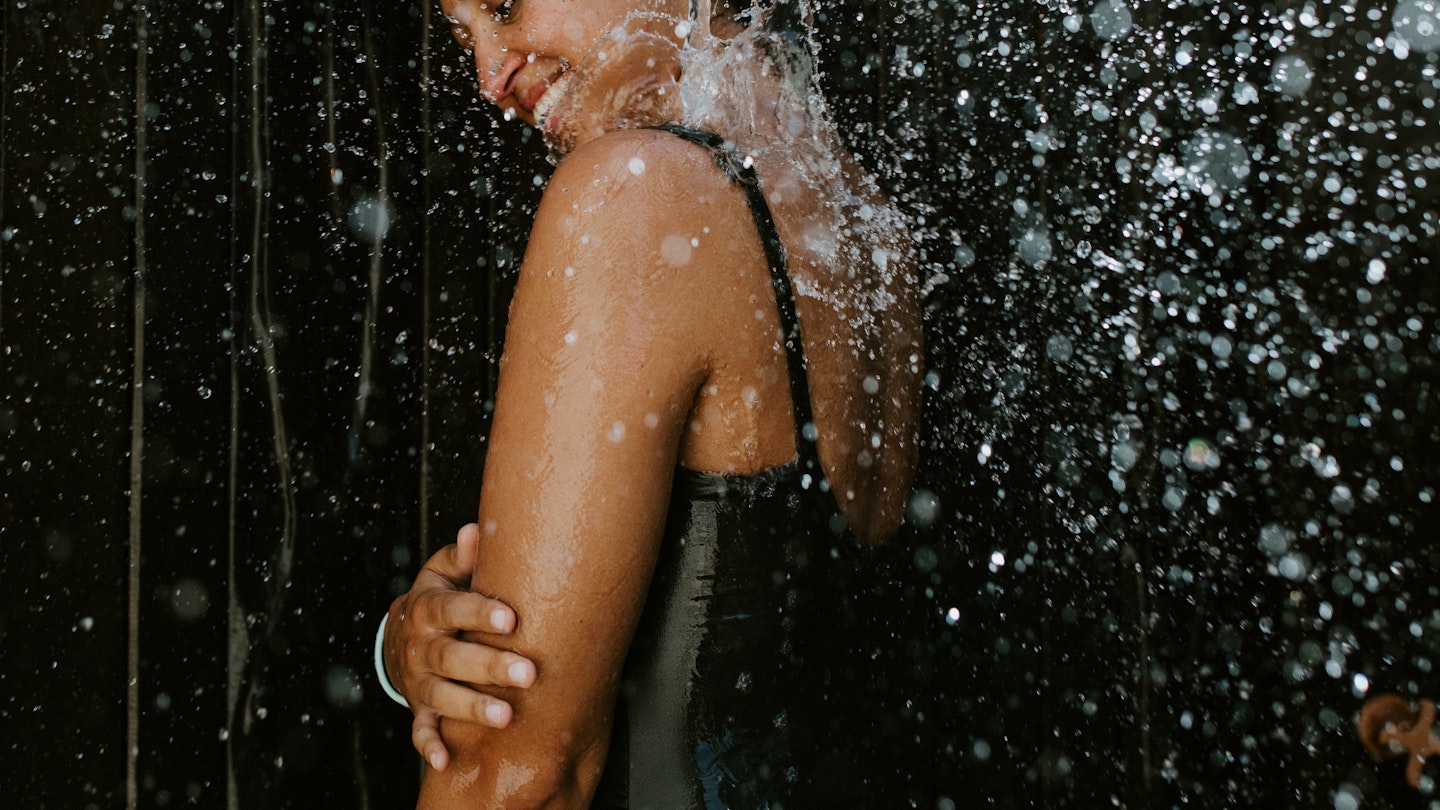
(780,15)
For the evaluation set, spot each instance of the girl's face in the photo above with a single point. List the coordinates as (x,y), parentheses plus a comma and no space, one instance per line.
(525,49)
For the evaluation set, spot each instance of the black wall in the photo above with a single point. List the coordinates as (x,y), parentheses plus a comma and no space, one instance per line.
(1181,464)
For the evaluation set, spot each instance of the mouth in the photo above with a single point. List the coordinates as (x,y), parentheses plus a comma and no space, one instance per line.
(546,95)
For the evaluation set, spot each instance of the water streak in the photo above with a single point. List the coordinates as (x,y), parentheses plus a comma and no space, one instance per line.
(137,415)
(237,640)
(426,141)
(4,138)
(332,136)
(377,241)
(260,316)
(263,331)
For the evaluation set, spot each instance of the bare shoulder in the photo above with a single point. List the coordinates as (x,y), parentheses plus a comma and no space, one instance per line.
(637,212)
(637,182)
(636,158)
(630,248)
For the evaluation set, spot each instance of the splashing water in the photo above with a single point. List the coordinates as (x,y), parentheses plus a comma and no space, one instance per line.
(758,89)
(848,252)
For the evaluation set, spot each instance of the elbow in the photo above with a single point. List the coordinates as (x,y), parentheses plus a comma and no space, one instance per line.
(519,785)
(549,786)
(881,506)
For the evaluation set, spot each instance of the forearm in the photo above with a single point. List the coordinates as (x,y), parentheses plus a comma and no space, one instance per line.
(552,753)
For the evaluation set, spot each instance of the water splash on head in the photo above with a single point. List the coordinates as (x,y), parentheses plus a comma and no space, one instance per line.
(751,81)
(699,24)
(627,81)
(757,87)
(848,252)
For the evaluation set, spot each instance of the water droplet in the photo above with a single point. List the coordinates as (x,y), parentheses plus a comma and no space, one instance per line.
(370,219)
(1173,498)
(1275,539)
(1199,455)
(1375,271)
(1294,567)
(1291,75)
(923,509)
(1417,24)
(1111,19)
(925,559)
(1123,456)
(1342,499)
(1035,246)
(675,250)
(189,599)
(343,689)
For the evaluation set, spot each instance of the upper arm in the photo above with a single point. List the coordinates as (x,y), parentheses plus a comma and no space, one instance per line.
(598,376)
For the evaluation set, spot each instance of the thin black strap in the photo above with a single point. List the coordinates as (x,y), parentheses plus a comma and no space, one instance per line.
(743,174)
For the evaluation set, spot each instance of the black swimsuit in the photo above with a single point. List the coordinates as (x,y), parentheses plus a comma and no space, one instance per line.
(711,711)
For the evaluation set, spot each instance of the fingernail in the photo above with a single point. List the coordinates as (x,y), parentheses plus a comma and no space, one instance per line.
(496,713)
(436,761)
(520,673)
(499,619)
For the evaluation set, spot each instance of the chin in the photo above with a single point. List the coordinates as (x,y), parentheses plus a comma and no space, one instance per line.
(591,112)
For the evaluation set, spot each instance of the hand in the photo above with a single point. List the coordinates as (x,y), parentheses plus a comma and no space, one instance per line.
(437,672)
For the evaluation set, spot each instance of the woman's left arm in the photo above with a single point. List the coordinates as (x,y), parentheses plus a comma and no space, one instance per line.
(436,671)
(598,377)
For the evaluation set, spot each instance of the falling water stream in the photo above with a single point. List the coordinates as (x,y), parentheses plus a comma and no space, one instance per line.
(1176,517)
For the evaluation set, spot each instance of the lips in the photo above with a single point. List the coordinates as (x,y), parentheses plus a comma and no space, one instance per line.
(529,97)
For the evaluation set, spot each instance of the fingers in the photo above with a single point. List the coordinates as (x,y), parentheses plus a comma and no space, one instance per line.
(440,667)
(472,611)
(478,664)
(448,572)
(425,736)
(451,611)
(458,702)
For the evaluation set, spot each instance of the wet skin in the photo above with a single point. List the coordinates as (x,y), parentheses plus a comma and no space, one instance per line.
(643,335)
(612,374)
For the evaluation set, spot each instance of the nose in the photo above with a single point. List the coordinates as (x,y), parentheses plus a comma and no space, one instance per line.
(495,72)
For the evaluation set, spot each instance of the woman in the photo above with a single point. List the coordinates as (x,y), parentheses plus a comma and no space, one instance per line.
(671,450)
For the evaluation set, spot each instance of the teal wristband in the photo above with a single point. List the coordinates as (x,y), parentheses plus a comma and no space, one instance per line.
(380,665)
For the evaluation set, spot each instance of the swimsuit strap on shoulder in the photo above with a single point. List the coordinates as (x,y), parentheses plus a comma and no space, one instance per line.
(743,175)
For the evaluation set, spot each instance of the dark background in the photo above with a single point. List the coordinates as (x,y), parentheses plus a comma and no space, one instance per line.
(1177,509)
